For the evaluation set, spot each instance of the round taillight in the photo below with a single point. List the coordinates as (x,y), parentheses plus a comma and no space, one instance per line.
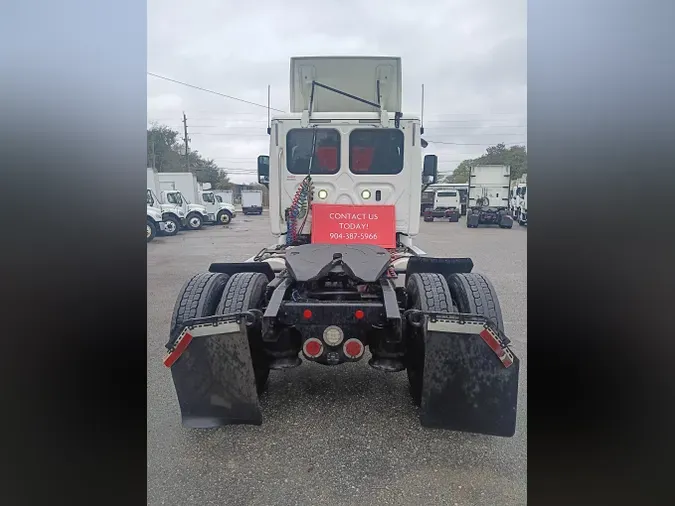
(307,314)
(353,348)
(312,348)
(359,314)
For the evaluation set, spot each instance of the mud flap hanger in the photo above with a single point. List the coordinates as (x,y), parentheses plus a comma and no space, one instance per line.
(205,327)
(465,323)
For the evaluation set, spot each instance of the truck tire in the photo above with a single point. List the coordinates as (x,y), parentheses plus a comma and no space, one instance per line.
(151,230)
(172,226)
(244,291)
(428,292)
(473,293)
(194,221)
(199,297)
(224,217)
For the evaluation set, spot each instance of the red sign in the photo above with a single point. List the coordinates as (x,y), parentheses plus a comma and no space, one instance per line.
(347,224)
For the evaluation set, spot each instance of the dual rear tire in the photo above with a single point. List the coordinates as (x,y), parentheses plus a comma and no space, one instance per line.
(209,293)
(462,293)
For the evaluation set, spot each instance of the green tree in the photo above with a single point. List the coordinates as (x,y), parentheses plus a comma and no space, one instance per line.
(515,157)
(167,154)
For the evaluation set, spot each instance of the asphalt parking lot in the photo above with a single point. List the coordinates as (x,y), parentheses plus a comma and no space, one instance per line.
(331,435)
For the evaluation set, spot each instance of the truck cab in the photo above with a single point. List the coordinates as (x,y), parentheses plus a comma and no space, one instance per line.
(218,211)
(172,215)
(196,214)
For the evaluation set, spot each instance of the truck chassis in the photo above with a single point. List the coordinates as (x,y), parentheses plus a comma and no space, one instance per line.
(432,317)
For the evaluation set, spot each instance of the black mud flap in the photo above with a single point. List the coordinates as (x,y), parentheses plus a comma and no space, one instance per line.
(213,374)
(506,221)
(472,220)
(470,381)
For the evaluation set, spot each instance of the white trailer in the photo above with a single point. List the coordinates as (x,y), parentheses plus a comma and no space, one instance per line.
(489,196)
(173,216)
(182,189)
(251,201)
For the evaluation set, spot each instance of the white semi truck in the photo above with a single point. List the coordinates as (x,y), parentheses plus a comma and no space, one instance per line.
(344,171)
(489,196)
(174,216)
(182,189)
(522,208)
(251,201)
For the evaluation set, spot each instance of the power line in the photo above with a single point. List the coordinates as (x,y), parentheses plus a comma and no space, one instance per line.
(211,91)
(478,144)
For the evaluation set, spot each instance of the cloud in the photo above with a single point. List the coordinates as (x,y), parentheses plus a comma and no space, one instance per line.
(471,57)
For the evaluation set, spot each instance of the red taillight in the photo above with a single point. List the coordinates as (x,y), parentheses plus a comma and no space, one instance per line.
(353,348)
(359,314)
(313,348)
(307,314)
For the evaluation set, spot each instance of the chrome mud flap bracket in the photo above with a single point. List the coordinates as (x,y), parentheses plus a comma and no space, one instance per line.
(212,370)
(470,378)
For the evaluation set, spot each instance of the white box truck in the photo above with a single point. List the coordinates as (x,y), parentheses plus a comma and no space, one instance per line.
(172,215)
(218,211)
(489,196)
(251,202)
(182,189)
(224,196)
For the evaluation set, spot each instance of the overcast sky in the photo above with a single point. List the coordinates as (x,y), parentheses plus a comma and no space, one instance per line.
(470,55)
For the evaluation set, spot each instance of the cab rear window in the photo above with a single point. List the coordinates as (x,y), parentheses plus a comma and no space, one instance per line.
(299,149)
(376,151)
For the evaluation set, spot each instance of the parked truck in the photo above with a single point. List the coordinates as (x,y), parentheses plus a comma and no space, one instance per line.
(154,223)
(344,274)
(429,192)
(182,189)
(218,211)
(522,208)
(174,216)
(489,196)
(446,204)
(224,196)
(251,201)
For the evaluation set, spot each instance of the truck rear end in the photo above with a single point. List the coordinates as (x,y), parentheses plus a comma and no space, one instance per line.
(344,178)
(251,202)
(488,196)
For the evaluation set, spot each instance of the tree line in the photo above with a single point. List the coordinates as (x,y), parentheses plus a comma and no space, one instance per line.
(166,153)
(515,157)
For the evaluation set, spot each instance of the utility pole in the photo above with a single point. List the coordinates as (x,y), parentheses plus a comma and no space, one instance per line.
(186,139)
(152,146)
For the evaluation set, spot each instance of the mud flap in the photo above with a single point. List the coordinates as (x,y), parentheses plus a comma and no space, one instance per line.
(506,221)
(470,382)
(472,220)
(213,375)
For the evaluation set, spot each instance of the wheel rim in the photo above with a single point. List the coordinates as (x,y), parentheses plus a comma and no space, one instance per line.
(224,218)
(195,222)
(170,227)
(148,231)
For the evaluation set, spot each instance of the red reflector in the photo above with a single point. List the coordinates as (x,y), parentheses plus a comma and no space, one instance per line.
(353,348)
(307,314)
(171,358)
(313,348)
(359,314)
